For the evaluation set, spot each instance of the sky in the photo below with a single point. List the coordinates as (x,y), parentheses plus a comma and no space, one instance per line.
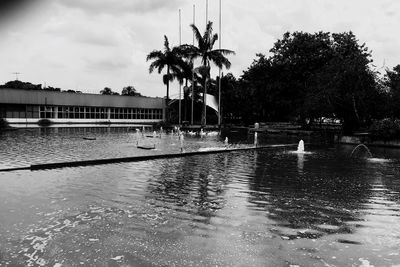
(87,45)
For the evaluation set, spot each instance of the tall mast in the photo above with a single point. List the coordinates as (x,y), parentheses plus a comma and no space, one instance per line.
(191,118)
(205,83)
(219,75)
(180,85)
(206,12)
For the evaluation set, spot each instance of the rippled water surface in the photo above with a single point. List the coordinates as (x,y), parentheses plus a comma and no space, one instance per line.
(249,208)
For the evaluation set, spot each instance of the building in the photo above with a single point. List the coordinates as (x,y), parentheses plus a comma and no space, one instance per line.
(30,106)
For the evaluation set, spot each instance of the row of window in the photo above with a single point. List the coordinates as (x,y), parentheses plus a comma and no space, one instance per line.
(19,111)
(100,113)
(69,112)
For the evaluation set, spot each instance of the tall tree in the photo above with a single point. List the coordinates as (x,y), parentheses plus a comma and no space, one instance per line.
(392,83)
(206,52)
(169,58)
(346,82)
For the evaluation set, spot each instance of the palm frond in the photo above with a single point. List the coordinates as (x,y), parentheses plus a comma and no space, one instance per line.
(154,55)
(197,35)
(224,52)
(153,65)
(219,59)
(213,40)
(189,51)
(208,33)
(166,43)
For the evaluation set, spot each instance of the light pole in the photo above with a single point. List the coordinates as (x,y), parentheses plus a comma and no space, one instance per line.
(180,85)
(219,80)
(16,75)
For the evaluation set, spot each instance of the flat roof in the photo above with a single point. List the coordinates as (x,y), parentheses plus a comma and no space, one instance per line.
(43,97)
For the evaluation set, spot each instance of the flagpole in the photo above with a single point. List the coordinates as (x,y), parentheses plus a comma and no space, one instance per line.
(194,14)
(219,80)
(205,83)
(206,12)
(180,85)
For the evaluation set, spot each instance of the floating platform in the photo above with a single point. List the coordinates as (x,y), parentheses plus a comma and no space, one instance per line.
(148,147)
(56,165)
(89,138)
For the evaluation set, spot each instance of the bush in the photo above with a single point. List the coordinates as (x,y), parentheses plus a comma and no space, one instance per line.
(165,125)
(44,122)
(386,129)
(3,123)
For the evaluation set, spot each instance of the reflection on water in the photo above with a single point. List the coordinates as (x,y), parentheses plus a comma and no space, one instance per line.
(25,147)
(300,162)
(253,208)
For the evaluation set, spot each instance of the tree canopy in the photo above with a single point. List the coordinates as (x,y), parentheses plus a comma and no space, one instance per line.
(312,75)
(108,91)
(130,91)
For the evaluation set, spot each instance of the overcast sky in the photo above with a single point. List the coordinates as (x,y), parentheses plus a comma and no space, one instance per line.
(87,45)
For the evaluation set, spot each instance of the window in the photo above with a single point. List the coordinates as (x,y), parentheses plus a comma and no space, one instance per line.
(46,112)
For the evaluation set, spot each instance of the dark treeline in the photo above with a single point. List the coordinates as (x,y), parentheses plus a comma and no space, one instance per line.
(312,76)
(126,91)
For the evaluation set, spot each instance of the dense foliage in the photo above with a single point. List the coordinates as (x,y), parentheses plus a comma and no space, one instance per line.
(386,129)
(128,90)
(312,76)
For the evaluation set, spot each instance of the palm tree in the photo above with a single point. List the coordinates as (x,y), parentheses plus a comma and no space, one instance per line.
(207,54)
(169,58)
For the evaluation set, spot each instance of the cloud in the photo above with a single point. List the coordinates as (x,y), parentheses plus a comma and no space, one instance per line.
(107,64)
(121,6)
(77,28)
(97,43)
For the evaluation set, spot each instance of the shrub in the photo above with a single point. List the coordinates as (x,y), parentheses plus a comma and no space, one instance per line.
(386,129)
(165,125)
(44,122)
(3,123)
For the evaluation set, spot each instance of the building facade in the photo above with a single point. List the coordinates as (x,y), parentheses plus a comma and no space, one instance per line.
(31,106)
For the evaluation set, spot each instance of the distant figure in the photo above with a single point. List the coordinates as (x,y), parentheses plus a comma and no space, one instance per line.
(202,133)
(256,125)
(226,142)
(255,139)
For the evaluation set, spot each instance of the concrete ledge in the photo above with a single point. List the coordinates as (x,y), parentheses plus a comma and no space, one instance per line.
(356,140)
(148,157)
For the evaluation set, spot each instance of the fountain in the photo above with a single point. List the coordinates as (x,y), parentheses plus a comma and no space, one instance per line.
(369,154)
(300,147)
(181,138)
(202,133)
(361,146)
(137,136)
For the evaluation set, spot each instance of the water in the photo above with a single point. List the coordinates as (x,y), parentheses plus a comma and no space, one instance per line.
(248,208)
(47,145)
